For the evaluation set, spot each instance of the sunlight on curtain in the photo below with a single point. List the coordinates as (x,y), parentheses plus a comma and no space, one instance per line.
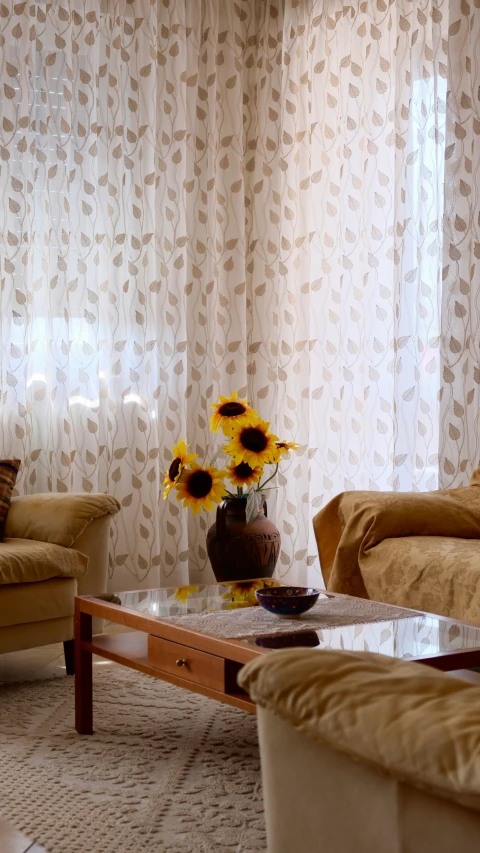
(349,200)
(205,197)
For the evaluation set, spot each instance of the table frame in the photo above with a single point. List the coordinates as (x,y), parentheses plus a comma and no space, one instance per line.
(131,650)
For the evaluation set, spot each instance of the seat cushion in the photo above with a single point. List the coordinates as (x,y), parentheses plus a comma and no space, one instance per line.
(22,603)
(28,561)
(434,573)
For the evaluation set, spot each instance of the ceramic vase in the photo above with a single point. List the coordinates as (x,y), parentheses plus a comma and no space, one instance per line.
(240,551)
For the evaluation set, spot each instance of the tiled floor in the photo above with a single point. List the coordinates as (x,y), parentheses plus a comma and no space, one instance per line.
(44,662)
(12,841)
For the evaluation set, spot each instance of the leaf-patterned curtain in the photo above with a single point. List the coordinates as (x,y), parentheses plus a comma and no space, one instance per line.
(201,197)
(459,395)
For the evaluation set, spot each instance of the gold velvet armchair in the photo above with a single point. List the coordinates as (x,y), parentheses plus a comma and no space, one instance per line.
(365,754)
(55,546)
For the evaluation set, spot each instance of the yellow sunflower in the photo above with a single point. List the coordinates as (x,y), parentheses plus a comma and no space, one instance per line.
(180,459)
(243,474)
(184,592)
(253,443)
(200,488)
(285,446)
(230,411)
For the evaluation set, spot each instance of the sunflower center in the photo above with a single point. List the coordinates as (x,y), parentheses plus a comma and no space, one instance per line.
(199,484)
(174,468)
(253,439)
(231,410)
(243,471)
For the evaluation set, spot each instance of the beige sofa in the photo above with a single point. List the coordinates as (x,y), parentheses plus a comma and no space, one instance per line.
(365,754)
(417,550)
(54,546)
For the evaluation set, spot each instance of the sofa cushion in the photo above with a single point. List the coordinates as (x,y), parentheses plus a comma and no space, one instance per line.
(14,638)
(56,518)
(27,561)
(8,476)
(440,574)
(417,724)
(23,603)
(355,522)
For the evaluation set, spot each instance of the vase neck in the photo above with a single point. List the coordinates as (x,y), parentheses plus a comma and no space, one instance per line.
(238,506)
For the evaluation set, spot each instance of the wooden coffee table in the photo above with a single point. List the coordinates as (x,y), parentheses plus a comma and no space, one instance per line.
(209,665)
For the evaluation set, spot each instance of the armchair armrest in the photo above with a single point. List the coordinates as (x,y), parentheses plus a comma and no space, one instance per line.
(414,723)
(56,518)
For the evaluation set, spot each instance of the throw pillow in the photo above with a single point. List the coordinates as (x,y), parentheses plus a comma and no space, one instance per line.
(8,475)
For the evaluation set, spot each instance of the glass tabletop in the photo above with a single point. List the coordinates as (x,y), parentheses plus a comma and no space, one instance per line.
(414,636)
(410,639)
(197,598)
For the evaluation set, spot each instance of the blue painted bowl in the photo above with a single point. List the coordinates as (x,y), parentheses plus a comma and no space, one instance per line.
(287,600)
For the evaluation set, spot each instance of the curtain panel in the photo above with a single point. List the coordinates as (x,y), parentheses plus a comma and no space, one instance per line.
(459,413)
(278,198)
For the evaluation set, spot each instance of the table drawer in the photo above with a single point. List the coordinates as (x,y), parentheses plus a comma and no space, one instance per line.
(187,663)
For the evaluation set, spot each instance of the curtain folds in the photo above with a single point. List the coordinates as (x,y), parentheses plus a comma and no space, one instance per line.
(459,403)
(278,198)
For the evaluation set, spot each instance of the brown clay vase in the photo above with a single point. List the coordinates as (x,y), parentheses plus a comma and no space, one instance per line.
(240,551)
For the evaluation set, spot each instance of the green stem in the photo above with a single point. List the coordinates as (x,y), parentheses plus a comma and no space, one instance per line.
(239,491)
(261,486)
(217,454)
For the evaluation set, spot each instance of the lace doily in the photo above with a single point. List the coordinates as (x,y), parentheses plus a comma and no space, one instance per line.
(254,621)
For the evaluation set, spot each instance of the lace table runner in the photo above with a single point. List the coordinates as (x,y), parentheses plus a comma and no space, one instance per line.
(254,621)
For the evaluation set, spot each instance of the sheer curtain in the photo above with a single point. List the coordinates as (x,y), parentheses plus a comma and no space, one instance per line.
(205,197)
(459,403)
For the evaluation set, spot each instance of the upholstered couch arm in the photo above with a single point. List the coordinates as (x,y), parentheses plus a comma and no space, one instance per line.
(56,518)
(416,724)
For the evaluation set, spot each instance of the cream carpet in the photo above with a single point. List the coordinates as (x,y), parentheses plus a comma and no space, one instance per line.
(166,770)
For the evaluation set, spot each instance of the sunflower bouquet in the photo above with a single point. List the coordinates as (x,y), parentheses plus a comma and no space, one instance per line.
(249,446)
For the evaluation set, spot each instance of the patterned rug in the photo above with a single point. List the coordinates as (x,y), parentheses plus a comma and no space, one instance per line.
(166,770)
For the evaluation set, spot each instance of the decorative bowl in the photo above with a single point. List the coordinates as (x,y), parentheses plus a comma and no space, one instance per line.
(287,600)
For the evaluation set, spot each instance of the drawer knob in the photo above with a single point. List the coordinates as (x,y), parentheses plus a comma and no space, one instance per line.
(181,662)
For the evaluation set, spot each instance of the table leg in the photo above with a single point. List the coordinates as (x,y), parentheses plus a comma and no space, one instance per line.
(83,674)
